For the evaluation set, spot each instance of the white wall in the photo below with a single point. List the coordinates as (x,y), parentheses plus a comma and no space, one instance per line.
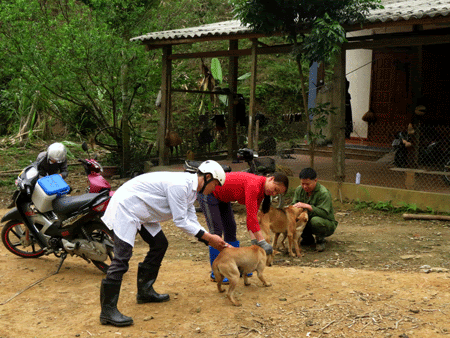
(359,70)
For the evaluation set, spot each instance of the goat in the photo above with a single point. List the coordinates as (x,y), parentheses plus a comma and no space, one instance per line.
(172,140)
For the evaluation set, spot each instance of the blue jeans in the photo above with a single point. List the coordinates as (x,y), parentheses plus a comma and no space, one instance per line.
(219,217)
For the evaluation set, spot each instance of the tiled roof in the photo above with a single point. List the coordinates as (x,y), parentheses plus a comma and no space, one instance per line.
(394,10)
(409,9)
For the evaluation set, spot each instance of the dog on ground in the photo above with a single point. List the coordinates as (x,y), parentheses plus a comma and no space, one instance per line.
(234,262)
(288,221)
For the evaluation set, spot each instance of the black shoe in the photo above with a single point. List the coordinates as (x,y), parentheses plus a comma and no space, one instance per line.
(307,240)
(109,296)
(145,279)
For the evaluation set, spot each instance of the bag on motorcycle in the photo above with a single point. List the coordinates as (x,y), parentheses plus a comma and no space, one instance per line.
(46,190)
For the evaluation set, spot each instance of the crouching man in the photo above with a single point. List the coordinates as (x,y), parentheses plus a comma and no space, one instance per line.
(138,206)
(315,198)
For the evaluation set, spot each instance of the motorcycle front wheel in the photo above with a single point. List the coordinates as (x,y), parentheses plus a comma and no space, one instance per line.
(100,233)
(446,178)
(17,239)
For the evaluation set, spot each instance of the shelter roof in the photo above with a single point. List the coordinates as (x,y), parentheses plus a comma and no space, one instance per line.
(393,11)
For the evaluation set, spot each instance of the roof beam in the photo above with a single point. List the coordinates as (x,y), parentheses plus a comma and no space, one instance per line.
(394,41)
(281,49)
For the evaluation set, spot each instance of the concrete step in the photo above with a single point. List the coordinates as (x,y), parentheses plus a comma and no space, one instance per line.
(354,153)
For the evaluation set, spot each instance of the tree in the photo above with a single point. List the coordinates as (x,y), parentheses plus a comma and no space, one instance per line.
(314,27)
(79,54)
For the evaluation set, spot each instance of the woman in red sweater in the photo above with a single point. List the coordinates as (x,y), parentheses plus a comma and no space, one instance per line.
(249,190)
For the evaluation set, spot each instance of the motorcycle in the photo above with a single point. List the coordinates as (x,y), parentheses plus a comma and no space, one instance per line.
(256,165)
(436,154)
(45,221)
(93,169)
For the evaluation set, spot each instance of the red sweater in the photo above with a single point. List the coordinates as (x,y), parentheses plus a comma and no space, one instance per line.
(247,189)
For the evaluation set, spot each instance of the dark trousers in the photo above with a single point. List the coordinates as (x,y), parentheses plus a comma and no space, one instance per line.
(320,227)
(123,251)
(219,217)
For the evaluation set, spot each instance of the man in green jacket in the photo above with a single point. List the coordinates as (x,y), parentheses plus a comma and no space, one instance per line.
(315,198)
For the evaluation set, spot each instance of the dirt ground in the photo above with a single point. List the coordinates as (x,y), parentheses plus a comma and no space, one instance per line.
(380,276)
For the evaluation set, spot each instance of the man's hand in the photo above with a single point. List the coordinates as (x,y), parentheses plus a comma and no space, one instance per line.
(303,206)
(266,246)
(215,241)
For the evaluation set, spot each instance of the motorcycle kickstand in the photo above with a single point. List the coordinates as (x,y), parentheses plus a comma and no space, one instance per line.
(61,261)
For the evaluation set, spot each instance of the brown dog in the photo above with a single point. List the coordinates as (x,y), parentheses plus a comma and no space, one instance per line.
(232,262)
(289,221)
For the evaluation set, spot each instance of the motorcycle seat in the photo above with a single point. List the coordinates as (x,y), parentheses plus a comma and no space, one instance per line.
(68,204)
(192,166)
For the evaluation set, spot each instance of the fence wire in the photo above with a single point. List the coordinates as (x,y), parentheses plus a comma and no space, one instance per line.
(391,156)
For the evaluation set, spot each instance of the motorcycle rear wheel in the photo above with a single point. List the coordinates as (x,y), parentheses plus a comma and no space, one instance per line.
(101,234)
(17,239)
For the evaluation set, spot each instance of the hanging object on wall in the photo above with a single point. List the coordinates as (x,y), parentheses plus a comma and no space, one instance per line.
(369,117)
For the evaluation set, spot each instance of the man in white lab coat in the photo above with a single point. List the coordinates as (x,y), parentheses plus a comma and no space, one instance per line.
(138,206)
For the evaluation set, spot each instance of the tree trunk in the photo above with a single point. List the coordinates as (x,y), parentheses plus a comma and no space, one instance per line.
(426,217)
(125,125)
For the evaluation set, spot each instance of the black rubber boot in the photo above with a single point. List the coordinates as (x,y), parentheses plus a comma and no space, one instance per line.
(320,244)
(109,296)
(146,277)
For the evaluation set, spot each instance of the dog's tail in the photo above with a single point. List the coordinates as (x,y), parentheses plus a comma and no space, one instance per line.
(216,271)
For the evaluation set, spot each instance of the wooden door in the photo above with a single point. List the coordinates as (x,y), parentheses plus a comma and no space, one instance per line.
(390,95)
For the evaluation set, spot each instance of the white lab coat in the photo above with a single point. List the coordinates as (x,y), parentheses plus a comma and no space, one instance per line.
(152,198)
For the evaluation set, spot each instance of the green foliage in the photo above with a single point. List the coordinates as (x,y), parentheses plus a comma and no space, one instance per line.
(320,115)
(388,207)
(324,41)
(323,19)
(216,70)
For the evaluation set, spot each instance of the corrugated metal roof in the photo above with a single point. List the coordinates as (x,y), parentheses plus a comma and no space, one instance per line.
(394,10)
(223,28)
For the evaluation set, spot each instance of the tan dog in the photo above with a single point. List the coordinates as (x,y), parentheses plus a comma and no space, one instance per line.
(289,221)
(232,262)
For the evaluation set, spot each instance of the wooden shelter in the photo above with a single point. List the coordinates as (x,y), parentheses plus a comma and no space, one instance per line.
(232,31)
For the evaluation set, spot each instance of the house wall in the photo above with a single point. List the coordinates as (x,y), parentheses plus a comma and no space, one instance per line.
(359,74)
(359,68)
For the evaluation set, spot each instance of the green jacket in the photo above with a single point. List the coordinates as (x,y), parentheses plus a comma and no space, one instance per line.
(320,201)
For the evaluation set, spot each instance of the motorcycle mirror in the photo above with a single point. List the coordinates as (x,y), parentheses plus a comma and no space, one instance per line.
(84,146)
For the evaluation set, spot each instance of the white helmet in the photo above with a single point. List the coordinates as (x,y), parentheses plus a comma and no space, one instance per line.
(57,152)
(213,168)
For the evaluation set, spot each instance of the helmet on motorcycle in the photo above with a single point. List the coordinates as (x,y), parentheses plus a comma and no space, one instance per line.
(56,152)
(214,169)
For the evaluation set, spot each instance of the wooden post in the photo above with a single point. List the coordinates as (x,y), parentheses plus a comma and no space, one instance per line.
(166,85)
(255,147)
(233,66)
(251,115)
(338,121)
